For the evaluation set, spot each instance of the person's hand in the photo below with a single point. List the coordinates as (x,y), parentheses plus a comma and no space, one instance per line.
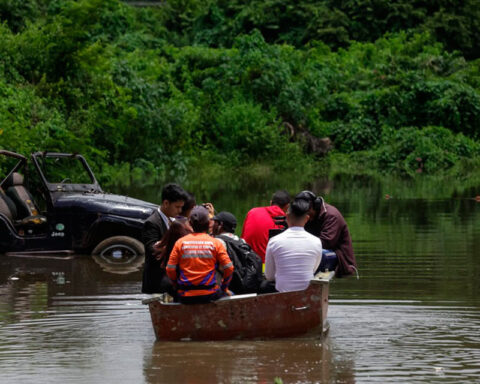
(228,292)
(157,250)
(210,208)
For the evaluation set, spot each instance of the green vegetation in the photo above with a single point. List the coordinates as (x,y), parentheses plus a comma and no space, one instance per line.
(164,92)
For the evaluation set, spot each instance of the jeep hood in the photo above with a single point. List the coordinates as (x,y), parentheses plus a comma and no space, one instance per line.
(106,203)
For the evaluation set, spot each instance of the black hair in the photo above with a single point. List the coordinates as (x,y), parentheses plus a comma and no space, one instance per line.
(190,202)
(315,202)
(281,198)
(173,192)
(227,220)
(299,208)
(199,219)
(199,226)
(228,227)
(306,195)
(176,230)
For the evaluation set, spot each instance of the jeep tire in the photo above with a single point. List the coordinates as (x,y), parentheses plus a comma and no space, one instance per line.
(119,248)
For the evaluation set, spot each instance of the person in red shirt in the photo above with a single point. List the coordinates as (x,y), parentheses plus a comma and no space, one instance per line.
(193,261)
(260,220)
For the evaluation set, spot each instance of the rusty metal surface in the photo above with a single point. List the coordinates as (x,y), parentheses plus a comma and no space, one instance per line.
(265,316)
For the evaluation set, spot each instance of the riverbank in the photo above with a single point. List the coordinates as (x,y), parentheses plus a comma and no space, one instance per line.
(221,181)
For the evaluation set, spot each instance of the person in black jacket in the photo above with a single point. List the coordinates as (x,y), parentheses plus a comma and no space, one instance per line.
(247,274)
(154,275)
(327,223)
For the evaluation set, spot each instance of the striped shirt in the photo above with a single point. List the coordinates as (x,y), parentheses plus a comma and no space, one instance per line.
(193,262)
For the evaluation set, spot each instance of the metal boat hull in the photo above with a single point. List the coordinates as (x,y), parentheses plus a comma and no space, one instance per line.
(245,316)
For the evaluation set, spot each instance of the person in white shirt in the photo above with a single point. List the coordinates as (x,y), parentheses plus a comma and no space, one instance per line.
(294,255)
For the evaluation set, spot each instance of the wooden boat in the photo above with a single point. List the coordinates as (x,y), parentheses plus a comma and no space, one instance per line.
(248,316)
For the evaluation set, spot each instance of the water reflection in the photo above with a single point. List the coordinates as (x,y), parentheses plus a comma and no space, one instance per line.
(292,360)
(28,284)
(121,267)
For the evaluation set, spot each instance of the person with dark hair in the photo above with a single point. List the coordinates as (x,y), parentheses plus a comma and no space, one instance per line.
(224,222)
(193,261)
(162,249)
(177,230)
(260,220)
(154,276)
(247,275)
(190,202)
(327,223)
(294,255)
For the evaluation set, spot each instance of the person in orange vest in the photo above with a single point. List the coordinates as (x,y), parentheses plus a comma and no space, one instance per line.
(193,260)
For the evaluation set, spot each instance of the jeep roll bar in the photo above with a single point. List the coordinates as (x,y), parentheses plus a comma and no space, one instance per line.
(22,160)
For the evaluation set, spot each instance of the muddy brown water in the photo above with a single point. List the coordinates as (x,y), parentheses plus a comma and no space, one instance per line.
(412,317)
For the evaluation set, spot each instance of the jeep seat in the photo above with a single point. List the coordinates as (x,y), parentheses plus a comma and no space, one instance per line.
(7,206)
(21,208)
(20,196)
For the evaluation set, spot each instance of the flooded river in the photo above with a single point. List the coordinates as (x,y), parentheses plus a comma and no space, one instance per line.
(412,317)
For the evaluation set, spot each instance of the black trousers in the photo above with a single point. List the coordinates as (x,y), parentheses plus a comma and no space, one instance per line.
(267,287)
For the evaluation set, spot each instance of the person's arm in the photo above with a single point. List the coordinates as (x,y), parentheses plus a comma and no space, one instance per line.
(269,263)
(173,262)
(210,208)
(158,251)
(330,232)
(150,235)
(226,266)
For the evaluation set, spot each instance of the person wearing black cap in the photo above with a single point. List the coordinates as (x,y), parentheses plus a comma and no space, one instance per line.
(193,260)
(248,265)
(327,223)
(224,222)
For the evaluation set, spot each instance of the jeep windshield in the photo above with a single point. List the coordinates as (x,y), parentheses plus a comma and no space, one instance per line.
(63,172)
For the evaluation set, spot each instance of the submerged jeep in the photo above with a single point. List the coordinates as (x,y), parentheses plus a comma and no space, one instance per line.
(53,204)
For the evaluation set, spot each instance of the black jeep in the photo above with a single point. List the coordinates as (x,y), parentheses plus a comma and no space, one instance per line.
(54,205)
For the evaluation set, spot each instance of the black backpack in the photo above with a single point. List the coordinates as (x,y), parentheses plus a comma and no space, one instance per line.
(247,274)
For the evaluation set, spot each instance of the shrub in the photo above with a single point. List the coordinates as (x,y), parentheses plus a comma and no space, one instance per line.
(245,127)
(430,150)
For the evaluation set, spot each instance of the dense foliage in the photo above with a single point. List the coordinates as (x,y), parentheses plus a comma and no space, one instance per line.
(335,22)
(157,91)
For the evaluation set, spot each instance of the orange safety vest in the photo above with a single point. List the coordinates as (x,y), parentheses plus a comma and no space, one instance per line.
(193,263)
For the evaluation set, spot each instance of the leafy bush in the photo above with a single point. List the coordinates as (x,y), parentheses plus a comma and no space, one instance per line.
(27,124)
(244,127)
(152,91)
(217,23)
(430,150)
